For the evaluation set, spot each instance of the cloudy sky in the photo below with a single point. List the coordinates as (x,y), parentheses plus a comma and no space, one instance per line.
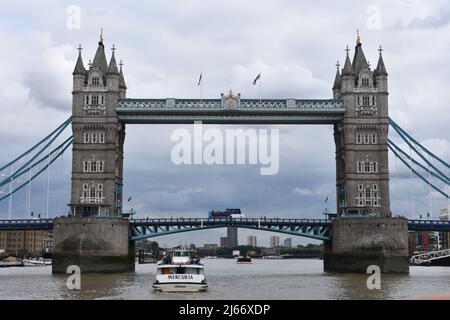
(166,44)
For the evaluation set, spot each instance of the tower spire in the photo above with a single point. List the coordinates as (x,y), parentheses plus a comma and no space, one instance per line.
(337,79)
(381,69)
(112,69)
(79,66)
(100,41)
(122,84)
(358,38)
(347,71)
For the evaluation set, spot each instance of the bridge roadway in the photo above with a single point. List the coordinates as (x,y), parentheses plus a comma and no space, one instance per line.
(143,228)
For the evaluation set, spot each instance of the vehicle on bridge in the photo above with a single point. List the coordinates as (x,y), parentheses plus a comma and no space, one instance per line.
(225,214)
(180,271)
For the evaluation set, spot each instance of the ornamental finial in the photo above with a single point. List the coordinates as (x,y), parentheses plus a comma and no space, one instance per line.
(101,36)
(358,38)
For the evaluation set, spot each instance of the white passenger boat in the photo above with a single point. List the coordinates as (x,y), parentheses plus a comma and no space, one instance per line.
(180,271)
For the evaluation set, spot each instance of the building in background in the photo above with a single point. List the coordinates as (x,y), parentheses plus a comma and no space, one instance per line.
(208,249)
(232,237)
(287,242)
(26,243)
(251,241)
(274,241)
(223,242)
(444,237)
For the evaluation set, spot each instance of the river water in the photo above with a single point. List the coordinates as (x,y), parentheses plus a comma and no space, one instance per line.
(263,279)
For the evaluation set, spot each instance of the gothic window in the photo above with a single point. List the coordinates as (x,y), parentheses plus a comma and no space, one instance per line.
(92,192)
(366,167)
(87,99)
(358,101)
(360,168)
(100,190)
(93,166)
(366,101)
(94,137)
(94,100)
(374,138)
(373,100)
(358,138)
(95,81)
(86,166)
(100,165)
(366,139)
(367,195)
(102,137)
(86,137)
(103,99)
(365,82)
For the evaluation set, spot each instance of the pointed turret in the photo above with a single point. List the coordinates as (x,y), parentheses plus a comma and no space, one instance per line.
(348,70)
(381,69)
(359,59)
(337,78)
(100,57)
(112,69)
(79,66)
(122,84)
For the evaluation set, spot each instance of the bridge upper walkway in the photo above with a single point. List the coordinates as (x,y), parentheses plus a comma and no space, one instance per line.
(143,228)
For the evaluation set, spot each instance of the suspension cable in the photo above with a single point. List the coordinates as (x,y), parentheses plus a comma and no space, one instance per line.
(62,126)
(399,129)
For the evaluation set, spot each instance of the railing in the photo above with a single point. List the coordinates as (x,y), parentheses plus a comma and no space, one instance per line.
(424,257)
(26,221)
(250,220)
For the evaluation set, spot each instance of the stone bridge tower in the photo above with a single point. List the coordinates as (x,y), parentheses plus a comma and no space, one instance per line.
(97,163)
(94,236)
(364,233)
(362,172)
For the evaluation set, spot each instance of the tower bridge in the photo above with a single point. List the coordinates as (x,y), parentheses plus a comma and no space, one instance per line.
(96,237)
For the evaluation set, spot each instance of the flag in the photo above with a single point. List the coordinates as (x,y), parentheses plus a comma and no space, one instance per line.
(200,79)
(326,199)
(129,199)
(257,78)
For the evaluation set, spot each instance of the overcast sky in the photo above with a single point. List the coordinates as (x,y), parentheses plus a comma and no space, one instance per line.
(166,44)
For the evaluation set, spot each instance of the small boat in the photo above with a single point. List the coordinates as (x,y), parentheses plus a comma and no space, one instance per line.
(36,262)
(180,271)
(245,259)
(272,257)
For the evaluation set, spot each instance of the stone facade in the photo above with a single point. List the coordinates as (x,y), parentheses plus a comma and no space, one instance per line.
(98,137)
(93,244)
(362,170)
(358,243)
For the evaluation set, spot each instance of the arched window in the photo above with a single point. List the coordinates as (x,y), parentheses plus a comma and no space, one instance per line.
(358,138)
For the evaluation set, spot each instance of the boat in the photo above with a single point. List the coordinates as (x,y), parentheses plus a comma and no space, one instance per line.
(33,262)
(272,257)
(245,259)
(180,271)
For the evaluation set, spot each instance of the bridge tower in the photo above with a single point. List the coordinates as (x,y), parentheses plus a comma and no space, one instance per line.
(364,232)
(95,236)
(98,137)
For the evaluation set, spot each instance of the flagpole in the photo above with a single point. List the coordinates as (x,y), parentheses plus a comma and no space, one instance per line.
(260,79)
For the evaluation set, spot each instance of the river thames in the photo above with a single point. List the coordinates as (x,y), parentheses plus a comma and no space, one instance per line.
(263,279)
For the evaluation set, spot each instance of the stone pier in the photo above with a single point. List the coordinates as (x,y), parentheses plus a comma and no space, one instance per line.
(360,242)
(96,245)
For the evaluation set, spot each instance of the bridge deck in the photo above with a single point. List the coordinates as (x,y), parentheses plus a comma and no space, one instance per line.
(151,227)
(213,111)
